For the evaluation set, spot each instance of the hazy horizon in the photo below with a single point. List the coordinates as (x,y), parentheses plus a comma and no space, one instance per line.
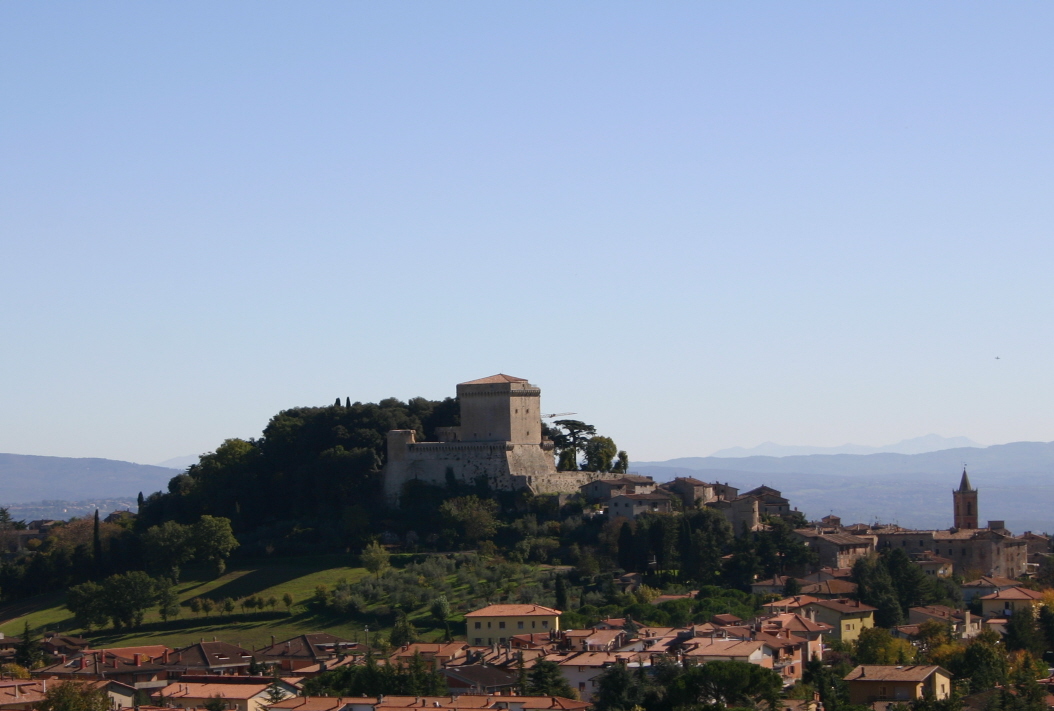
(699,226)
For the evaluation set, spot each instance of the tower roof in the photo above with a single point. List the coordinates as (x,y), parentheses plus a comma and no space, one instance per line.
(964,485)
(499,378)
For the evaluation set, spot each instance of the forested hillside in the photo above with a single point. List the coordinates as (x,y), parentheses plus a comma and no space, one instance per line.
(311,479)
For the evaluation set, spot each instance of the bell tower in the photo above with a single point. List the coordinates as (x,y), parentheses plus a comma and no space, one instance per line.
(965,499)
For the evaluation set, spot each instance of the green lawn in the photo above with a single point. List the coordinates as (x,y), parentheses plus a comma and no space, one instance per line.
(297,576)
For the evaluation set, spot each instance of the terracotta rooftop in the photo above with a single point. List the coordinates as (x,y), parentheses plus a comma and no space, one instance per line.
(499,378)
(834,586)
(990,581)
(313,703)
(791,602)
(465,701)
(1014,594)
(844,606)
(513,611)
(149,651)
(181,689)
(723,648)
(881,672)
(314,646)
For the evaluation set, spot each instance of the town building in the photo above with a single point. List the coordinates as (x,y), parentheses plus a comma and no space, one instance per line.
(633,505)
(691,491)
(961,623)
(478,679)
(604,489)
(985,585)
(846,617)
(835,550)
(497,623)
(454,703)
(238,697)
(305,650)
(869,683)
(1005,603)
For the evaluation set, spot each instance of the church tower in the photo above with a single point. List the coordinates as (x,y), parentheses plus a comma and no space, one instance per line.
(965,498)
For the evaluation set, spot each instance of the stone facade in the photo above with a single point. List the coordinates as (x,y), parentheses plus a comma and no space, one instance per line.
(499,440)
(981,551)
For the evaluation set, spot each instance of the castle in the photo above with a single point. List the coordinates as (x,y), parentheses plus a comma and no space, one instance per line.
(499,440)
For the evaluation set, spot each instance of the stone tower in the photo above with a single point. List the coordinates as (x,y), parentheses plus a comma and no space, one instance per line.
(500,408)
(965,498)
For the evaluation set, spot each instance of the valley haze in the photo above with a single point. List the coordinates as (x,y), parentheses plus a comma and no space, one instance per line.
(913,490)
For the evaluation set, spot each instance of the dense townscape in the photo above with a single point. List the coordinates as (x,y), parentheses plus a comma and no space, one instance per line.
(495,557)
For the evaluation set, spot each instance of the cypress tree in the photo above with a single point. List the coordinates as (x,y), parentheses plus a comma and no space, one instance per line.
(347,403)
(97,546)
(561,593)
(28,651)
(625,547)
(140,500)
(337,403)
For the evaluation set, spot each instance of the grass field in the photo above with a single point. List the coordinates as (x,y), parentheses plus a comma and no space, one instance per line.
(296,576)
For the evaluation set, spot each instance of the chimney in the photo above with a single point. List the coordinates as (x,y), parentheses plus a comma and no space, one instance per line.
(165,656)
(84,661)
(138,659)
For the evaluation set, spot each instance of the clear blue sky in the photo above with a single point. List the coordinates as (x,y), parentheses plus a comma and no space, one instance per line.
(697,225)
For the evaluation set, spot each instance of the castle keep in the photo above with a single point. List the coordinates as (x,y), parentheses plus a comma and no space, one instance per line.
(499,439)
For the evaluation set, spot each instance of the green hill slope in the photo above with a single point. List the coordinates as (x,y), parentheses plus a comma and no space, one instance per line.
(297,576)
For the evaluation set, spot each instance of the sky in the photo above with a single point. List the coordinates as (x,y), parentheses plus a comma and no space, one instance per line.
(696,225)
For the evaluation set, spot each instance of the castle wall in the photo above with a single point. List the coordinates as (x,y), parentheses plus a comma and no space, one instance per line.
(499,439)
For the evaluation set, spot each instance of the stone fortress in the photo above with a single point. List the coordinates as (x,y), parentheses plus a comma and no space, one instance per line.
(499,439)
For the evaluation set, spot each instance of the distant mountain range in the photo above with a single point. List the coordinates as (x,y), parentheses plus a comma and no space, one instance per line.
(180,463)
(28,478)
(917,445)
(1016,483)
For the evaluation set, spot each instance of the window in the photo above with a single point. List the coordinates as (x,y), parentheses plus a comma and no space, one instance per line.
(478,625)
(501,625)
(545,624)
(532,624)
(519,625)
(488,624)
(479,640)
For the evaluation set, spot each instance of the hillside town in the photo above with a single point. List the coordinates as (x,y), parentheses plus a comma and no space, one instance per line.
(648,595)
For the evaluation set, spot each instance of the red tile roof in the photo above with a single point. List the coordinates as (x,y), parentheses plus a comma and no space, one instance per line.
(881,672)
(1014,594)
(499,378)
(513,611)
